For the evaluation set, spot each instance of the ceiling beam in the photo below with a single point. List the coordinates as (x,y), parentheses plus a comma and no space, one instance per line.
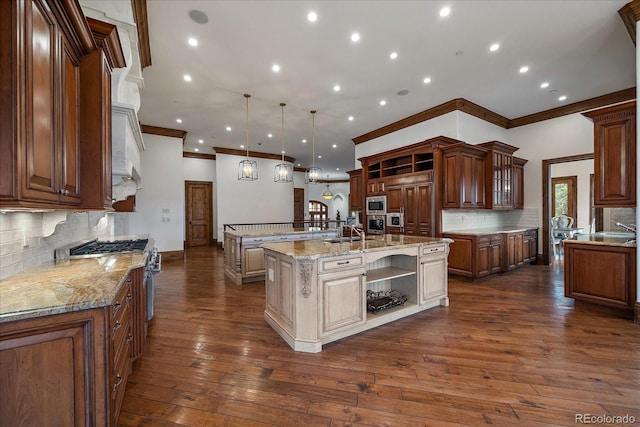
(198,155)
(157,130)
(630,14)
(234,152)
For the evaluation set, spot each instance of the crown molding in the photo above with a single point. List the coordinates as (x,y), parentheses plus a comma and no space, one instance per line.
(299,169)
(142,23)
(466,106)
(234,152)
(630,14)
(198,155)
(157,130)
(106,36)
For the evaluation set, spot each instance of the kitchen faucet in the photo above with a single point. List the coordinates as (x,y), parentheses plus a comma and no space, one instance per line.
(358,233)
(631,227)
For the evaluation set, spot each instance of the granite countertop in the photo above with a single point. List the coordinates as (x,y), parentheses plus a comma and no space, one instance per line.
(314,249)
(64,286)
(274,232)
(490,230)
(621,239)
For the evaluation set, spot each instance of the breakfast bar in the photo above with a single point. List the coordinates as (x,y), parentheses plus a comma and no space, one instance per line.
(321,291)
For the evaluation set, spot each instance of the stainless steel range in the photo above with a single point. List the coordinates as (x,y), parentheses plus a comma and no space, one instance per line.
(97,248)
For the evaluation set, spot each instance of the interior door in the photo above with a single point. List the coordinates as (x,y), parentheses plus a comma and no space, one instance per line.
(199,220)
(563,196)
(298,207)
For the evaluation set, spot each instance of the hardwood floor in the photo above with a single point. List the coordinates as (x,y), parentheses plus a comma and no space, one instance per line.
(509,350)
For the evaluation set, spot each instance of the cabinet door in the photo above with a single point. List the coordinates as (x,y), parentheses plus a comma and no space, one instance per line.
(467,181)
(483,260)
(433,277)
(70,149)
(519,247)
(518,187)
(252,262)
(479,182)
(395,199)
(355,194)
(424,209)
(533,245)
(451,181)
(342,299)
(495,257)
(614,154)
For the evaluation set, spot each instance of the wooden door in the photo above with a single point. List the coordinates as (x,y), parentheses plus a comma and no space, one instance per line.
(298,207)
(563,196)
(199,219)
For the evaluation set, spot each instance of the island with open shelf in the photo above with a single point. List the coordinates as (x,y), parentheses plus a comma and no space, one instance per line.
(316,291)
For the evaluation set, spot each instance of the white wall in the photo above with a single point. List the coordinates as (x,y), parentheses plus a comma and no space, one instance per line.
(160,202)
(203,170)
(251,201)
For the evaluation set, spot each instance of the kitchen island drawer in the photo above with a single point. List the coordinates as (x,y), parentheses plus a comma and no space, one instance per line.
(339,263)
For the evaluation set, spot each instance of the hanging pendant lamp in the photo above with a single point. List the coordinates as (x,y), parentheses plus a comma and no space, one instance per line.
(248,169)
(313,173)
(327,195)
(283,171)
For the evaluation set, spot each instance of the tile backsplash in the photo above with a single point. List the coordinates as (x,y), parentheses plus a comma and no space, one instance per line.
(23,246)
(465,219)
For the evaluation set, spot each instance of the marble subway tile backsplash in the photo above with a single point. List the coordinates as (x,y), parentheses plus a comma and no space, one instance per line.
(23,246)
(465,219)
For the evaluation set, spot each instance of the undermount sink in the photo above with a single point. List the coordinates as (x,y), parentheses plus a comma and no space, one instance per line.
(620,234)
(346,239)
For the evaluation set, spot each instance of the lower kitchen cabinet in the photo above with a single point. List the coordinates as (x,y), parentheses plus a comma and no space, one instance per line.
(482,254)
(600,274)
(433,270)
(71,368)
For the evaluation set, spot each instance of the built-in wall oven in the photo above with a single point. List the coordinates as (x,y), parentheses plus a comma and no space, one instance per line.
(375,224)
(395,221)
(376,205)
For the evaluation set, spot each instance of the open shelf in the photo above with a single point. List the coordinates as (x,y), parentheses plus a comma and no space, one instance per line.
(386,273)
(406,306)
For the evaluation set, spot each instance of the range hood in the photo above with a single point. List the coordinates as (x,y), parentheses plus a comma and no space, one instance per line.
(126,146)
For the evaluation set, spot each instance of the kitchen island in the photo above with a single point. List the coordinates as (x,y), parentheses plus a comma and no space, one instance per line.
(320,291)
(600,268)
(244,258)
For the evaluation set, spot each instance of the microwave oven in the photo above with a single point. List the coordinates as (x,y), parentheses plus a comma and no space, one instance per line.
(376,205)
(375,224)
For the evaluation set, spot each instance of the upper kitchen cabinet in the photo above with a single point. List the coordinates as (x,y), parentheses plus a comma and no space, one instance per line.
(518,182)
(499,175)
(614,148)
(95,115)
(42,44)
(463,172)
(356,194)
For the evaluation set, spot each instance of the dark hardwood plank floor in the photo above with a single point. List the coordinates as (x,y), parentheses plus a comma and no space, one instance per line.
(509,350)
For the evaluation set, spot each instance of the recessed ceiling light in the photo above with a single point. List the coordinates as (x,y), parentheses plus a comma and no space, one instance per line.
(282,151)
(426,80)
(192,41)
(334,145)
(198,16)
(298,164)
(524,69)
(312,16)
(269,135)
(350,118)
(337,169)
(187,78)
(228,128)
(319,157)
(393,55)
(195,149)
(355,37)
(383,102)
(402,92)
(200,141)
(275,68)
(179,120)
(445,11)
(494,47)
(336,88)
(544,85)
(562,98)
(242,146)
(304,141)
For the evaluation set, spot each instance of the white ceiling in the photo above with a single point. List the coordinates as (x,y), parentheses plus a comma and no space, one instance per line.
(580,47)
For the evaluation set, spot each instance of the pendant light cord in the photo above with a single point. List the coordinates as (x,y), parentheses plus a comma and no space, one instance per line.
(247,96)
(282,104)
(313,138)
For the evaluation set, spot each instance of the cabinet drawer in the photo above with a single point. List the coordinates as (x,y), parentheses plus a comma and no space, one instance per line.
(485,238)
(339,263)
(119,379)
(496,238)
(433,249)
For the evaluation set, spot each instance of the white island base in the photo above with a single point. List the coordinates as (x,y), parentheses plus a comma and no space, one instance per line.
(316,291)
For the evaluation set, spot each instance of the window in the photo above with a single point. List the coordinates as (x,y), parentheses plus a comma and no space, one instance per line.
(318,215)
(564,196)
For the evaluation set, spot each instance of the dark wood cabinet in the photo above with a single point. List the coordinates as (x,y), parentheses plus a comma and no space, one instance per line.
(463,172)
(499,175)
(415,201)
(600,274)
(614,149)
(42,44)
(356,193)
(480,255)
(518,182)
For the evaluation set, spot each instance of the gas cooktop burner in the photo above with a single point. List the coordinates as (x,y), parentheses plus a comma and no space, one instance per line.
(109,247)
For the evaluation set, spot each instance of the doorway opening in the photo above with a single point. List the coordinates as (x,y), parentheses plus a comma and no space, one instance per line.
(318,214)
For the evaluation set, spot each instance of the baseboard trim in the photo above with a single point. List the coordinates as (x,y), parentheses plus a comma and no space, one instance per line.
(636,313)
(172,255)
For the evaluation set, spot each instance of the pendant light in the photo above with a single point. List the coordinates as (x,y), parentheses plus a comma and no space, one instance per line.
(283,171)
(313,173)
(327,195)
(248,169)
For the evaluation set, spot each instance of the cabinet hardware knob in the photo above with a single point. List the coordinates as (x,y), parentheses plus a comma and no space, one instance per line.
(118,381)
(115,308)
(343,262)
(117,326)
(129,297)
(130,337)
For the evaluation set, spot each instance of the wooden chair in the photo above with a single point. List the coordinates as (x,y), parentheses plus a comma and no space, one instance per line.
(557,235)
